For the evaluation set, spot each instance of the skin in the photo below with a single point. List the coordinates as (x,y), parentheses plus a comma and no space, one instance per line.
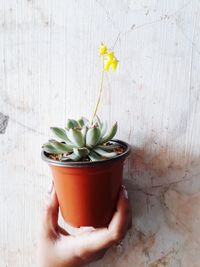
(57,248)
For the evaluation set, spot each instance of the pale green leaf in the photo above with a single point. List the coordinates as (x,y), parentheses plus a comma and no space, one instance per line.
(61,147)
(71,124)
(84,132)
(105,154)
(94,157)
(50,149)
(110,135)
(75,136)
(93,136)
(104,128)
(60,133)
(83,122)
(74,157)
(81,152)
(109,147)
(98,121)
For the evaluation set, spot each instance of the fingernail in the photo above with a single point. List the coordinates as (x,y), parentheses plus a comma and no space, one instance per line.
(125,193)
(50,188)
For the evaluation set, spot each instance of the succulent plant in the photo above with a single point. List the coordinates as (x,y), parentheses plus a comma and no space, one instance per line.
(82,140)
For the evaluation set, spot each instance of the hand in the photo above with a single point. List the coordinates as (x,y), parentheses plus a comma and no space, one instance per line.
(57,248)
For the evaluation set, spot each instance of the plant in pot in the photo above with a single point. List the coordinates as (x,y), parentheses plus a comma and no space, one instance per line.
(87,164)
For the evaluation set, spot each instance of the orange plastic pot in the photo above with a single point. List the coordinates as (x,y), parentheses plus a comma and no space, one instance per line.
(88,191)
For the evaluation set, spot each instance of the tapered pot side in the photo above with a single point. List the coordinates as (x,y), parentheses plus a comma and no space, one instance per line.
(88,191)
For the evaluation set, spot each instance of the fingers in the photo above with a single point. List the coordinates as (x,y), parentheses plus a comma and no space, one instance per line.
(62,231)
(122,217)
(85,229)
(50,220)
(100,239)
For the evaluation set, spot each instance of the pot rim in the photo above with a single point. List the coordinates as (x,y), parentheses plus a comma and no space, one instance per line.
(81,164)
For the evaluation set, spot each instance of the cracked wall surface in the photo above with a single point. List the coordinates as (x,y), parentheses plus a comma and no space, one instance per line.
(50,71)
(3,122)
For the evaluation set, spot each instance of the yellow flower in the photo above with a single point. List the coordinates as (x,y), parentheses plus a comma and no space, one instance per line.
(102,49)
(107,65)
(111,61)
(110,55)
(114,63)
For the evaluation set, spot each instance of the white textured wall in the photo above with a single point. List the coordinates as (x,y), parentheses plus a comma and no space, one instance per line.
(50,70)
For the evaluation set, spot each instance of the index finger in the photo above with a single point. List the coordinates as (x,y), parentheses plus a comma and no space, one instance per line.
(121,218)
(50,217)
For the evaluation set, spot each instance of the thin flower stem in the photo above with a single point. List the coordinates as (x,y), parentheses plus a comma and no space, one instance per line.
(100,93)
(112,48)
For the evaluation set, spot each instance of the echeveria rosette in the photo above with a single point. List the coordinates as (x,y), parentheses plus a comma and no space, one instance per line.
(83,139)
(80,140)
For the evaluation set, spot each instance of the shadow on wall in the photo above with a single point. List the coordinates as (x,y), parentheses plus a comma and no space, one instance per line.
(152,170)
(161,185)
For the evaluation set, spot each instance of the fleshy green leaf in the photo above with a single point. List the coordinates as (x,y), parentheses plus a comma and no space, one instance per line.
(98,121)
(64,158)
(109,148)
(76,137)
(110,135)
(102,125)
(105,154)
(71,124)
(83,122)
(50,149)
(61,147)
(93,136)
(71,157)
(60,133)
(84,132)
(81,152)
(94,156)
(74,157)
(104,128)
